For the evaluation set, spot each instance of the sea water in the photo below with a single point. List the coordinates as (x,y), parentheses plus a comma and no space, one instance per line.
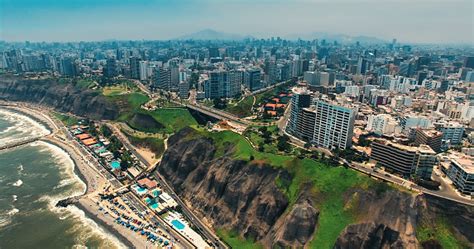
(32,179)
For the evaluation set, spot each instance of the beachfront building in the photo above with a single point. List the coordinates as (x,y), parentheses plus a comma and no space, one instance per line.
(404,160)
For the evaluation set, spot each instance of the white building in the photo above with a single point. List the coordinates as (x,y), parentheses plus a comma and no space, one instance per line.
(324,123)
(143,66)
(383,124)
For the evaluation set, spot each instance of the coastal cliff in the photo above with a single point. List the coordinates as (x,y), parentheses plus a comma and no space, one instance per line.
(64,97)
(242,196)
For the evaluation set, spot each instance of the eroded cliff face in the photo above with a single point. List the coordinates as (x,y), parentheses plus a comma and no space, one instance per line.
(62,97)
(242,196)
(234,194)
(385,220)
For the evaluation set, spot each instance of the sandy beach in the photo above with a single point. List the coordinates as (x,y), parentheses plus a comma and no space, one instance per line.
(129,238)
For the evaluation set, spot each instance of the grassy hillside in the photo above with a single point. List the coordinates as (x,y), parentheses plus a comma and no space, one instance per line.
(439,231)
(241,108)
(329,183)
(155,145)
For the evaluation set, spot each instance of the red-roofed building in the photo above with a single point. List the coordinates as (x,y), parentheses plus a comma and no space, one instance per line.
(149,184)
(89,141)
(83,136)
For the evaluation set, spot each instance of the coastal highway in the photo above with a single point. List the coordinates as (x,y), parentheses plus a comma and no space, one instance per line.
(203,229)
(407,184)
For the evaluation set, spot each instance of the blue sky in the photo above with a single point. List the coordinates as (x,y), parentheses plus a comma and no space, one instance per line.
(434,21)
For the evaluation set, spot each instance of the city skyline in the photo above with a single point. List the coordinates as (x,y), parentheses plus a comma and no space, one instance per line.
(421,22)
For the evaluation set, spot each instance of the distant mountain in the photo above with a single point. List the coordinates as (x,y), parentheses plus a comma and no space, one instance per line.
(341,38)
(210,34)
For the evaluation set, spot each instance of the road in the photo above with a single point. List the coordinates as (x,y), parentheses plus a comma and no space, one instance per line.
(203,229)
(407,184)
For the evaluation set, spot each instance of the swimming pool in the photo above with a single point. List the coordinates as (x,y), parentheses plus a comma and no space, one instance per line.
(139,190)
(177,224)
(115,165)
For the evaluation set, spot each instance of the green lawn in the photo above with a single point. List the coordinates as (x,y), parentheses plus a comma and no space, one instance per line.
(242,108)
(156,145)
(235,241)
(128,103)
(114,90)
(66,119)
(174,119)
(85,83)
(137,99)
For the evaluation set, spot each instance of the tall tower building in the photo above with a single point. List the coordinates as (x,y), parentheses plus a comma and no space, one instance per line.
(134,68)
(162,78)
(301,99)
(143,65)
(110,69)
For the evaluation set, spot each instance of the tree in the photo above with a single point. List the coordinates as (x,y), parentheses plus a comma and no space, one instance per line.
(307,145)
(124,165)
(282,143)
(104,129)
(220,103)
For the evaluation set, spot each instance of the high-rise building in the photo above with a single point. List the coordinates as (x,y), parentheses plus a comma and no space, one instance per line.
(323,123)
(404,160)
(68,67)
(301,99)
(271,72)
(311,77)
(324,78)
(110,69)
(234,85)
(223,84)
(469,62)
(143,65)
(214,87)
(183,89)
(363,65)
(334,125)
(135,68)
(174,73)
(430,137)
(252,79)
(162,79)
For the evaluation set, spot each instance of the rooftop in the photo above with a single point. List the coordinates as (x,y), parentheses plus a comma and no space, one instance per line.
(464,162)
(423,148)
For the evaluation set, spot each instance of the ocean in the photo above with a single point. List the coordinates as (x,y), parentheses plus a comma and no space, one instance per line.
(32,179)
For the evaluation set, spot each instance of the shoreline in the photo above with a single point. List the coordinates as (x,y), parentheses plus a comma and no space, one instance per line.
(101,222)
(76,170)
(81,170)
